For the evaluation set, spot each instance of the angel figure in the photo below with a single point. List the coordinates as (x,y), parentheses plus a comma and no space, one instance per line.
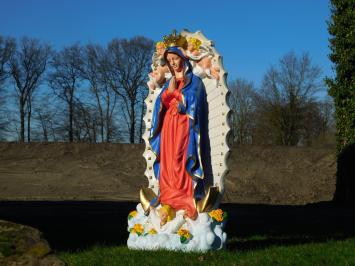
(161,71)
(201,58)
(166,219)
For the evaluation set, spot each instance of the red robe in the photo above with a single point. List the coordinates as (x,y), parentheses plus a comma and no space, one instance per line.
(176,186)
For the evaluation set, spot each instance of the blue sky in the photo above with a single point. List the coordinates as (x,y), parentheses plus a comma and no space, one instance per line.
(251,35)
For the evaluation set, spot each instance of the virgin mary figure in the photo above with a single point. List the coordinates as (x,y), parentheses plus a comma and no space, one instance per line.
(179,137)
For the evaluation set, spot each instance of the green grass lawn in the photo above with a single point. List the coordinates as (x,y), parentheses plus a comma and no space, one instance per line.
(330,252)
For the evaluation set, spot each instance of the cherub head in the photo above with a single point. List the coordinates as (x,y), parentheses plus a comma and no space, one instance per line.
(166,214)
(160,48)
(193,44)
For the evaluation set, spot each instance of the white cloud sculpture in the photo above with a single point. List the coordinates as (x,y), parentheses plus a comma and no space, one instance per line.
(206,234)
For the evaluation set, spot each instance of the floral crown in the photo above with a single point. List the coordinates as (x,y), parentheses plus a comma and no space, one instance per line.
(175,40)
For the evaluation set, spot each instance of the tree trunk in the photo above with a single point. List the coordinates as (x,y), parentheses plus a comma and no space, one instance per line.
(29,111)
(132,122)
(45,134)
(141,124)
(53,131)
(29,127)
(22,119)
(108,120)
(71,138)
(102,122)
(94,132)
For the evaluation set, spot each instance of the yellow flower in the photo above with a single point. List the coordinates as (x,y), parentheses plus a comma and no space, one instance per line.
(152,231)
(183,232)
(185,235)
(195,42)
(132,214)
(217,215)
(137,229)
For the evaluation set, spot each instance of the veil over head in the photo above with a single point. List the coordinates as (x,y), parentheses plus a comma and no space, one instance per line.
(177,50)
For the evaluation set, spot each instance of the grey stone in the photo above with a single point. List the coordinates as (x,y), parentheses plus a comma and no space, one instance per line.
(24,245)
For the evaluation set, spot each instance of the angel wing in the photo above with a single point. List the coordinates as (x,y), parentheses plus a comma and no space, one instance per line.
(219,128)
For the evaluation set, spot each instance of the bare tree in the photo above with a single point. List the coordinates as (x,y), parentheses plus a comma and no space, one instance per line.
(47,117)
(130,64)
(65,77)
(27,65)
(86,124)
(327,109)
(241,102)
(319,126)
(7,48)
(96,63)
(29,113)
(45,122)
(144,95)
(286,94)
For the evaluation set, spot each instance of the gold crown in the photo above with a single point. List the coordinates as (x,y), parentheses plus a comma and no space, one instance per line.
(175,40)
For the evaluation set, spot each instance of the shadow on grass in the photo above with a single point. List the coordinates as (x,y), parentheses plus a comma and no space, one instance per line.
(72,225)
(260,226)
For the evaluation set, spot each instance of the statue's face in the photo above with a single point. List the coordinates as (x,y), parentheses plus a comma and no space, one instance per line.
(163,216)
(175,61)
(160,50)
(190,47)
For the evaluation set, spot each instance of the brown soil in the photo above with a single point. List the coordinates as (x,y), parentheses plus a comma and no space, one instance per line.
(281,175)
(258,174)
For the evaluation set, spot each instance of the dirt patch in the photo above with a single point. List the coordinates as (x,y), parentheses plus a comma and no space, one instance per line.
(258,174)
(281,175)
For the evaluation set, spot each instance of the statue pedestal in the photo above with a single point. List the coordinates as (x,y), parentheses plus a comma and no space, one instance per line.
(201,235)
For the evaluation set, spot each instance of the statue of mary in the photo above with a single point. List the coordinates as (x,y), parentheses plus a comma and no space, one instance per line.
(182,164)
(179,135)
